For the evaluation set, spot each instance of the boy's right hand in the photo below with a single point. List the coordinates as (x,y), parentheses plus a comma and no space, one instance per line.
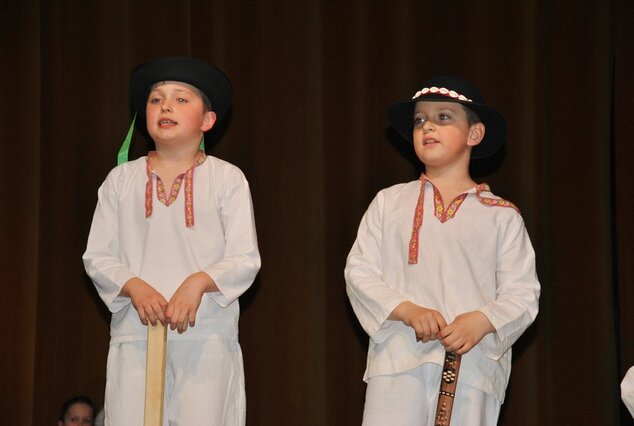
(425,322)
(149,303)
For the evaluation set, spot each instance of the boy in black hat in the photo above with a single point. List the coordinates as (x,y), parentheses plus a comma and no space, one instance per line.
(442,271)
(173,240)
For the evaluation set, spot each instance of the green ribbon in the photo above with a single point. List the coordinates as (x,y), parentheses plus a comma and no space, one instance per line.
(122,156)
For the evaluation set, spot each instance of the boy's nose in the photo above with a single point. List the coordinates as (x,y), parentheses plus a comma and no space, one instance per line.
(166,106)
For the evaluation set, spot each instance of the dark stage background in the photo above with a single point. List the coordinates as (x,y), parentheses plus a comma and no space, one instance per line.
(312,82)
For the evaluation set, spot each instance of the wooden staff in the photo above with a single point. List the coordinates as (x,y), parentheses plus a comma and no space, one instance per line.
(155,374)
(448,383)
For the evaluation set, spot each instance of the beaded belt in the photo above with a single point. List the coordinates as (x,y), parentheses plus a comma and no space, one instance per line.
(450,371)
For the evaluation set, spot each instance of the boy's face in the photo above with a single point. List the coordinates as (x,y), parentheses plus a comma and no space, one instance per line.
(442,134)
(78,414)
(175,113)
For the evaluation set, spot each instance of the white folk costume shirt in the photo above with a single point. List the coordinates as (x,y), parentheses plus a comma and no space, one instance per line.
(627,390)
(475,255)
(208,227)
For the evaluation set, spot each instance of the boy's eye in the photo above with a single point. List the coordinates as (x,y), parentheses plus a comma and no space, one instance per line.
(154,100)
(181,100)
(419,121)
(443,116)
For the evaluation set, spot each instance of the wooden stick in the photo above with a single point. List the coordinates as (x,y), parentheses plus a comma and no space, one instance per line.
(448,383)
(155,374)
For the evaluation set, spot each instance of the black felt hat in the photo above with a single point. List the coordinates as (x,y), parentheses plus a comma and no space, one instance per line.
(452,89)
(205,77)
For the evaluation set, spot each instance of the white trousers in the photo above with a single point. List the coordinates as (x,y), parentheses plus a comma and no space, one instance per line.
(409,399)
(204,384)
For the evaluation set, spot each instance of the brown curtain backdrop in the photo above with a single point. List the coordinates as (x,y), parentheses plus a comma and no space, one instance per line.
(312,82)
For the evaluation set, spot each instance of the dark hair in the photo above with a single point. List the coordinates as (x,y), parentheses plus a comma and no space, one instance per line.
(472,117)
(76,400)
(206,101)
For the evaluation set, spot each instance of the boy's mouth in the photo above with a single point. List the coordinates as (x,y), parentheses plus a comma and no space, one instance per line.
(429,141)
(167,122)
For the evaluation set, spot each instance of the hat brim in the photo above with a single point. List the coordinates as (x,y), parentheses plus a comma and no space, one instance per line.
(202,75)
(401,116)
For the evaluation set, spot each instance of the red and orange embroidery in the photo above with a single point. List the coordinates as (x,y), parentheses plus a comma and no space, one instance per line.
(418,222)
(444,214)
(160,190)
(492,201)
(187,177)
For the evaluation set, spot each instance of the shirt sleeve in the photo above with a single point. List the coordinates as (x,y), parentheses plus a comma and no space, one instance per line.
(371,298)
(235,272)
(518,289)
(627,390)
(102,256)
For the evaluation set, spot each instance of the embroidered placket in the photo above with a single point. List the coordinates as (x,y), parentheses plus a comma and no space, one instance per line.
(439,209)
(443,214)
(187,177)
(418,222)
(440,212)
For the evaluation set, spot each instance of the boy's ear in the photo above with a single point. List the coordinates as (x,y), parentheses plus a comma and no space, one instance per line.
(476,134)
(209,119)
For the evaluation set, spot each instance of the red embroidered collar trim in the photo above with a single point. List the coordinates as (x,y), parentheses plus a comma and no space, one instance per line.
(187,177)
(445,214)
(492,201)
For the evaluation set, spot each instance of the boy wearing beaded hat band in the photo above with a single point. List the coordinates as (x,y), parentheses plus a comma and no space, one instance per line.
(441,265)
(173,240)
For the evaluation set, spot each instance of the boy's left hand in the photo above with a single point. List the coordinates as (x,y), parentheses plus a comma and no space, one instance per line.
(182,307)
(465,332)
